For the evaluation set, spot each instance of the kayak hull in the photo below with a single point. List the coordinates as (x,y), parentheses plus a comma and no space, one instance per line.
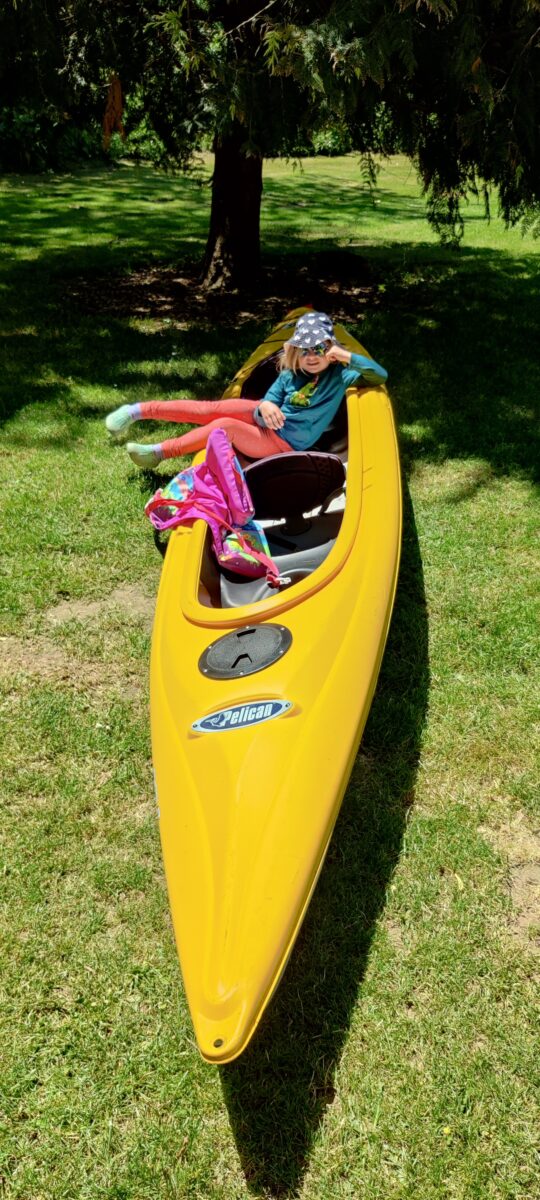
(250,772)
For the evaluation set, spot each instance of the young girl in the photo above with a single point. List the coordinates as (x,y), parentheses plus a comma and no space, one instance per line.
(315,373)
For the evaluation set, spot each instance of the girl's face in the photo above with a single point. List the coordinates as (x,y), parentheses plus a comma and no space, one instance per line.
(314,360)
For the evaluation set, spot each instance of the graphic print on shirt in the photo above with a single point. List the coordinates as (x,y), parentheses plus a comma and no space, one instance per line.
(302,398)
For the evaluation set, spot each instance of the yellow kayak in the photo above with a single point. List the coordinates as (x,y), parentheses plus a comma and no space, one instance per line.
(259,699)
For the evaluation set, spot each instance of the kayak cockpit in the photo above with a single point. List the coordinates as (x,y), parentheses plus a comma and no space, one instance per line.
(300,499)
(201,582)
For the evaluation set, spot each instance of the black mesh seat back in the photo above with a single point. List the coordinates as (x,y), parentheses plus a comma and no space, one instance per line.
(288,485)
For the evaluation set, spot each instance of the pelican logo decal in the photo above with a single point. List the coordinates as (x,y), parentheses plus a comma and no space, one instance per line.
(240,715)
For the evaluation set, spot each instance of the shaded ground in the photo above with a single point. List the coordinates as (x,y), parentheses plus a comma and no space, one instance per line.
(340,283)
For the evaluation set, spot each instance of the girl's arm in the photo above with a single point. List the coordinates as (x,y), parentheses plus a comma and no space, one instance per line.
(357,364)
(268,413)
(369,370)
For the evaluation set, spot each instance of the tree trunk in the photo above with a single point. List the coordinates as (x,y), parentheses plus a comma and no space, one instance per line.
(233,249)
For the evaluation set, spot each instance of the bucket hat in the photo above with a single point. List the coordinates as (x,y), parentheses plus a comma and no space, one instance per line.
(312,328)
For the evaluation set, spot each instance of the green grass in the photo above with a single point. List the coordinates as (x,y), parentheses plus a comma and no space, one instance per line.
(399,1059)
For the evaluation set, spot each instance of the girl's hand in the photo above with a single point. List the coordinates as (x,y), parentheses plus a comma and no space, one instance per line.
(271,415)
(338,354)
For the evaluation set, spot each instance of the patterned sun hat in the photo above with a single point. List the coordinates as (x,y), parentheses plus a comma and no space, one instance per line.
(312,328)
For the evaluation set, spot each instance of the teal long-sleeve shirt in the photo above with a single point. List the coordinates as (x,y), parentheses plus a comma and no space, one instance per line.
(304,424)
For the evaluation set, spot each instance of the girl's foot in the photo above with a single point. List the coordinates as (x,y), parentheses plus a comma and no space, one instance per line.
(144,456)
(120,420)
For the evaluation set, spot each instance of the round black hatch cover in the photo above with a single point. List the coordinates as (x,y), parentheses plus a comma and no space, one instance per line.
(245,651)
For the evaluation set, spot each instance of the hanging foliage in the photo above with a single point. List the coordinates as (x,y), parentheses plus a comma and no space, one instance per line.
(454,85)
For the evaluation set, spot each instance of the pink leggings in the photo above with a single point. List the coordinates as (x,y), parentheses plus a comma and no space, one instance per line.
(236,416)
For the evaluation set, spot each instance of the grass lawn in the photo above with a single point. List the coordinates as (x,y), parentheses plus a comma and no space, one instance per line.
(399,1059)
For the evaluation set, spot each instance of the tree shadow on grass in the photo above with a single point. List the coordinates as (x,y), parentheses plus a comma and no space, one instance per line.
(463,357)
(457,334)
(277,1092)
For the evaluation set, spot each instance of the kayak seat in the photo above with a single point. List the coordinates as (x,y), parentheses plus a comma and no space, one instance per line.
(283,487)
(308,549)
(236,591)
(288,485)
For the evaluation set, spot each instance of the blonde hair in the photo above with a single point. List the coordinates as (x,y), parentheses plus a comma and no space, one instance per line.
(290,358)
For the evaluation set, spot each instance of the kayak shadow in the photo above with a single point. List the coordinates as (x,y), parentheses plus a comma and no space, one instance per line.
(277,1092)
